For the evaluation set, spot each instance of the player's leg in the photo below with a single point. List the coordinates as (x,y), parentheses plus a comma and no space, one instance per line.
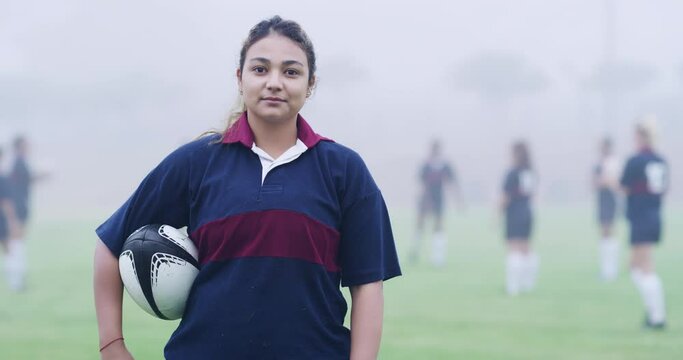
(649,285)
(609,253)
(609,246)
(644,234)
(439,240)
(416,243)
(514,265)
(529,267)
(15,265)
(529,260)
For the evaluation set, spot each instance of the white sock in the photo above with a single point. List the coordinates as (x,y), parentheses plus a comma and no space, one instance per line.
(513,272)
(16,264)
(439,249)
(652,292)
(609,259)
(529,271)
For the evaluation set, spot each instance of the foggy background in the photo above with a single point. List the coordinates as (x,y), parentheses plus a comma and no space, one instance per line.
(104,90)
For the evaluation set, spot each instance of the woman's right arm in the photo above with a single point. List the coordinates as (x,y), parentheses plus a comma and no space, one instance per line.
(108,303)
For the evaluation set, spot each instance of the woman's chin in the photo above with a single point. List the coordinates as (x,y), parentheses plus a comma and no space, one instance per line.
(274,116)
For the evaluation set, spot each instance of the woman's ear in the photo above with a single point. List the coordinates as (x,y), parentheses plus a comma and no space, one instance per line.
(311,85)
(238,74)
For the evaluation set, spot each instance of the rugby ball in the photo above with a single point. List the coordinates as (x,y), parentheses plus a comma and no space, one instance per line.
(158,264)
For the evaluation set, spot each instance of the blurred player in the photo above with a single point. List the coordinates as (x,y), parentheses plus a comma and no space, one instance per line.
(5,198)
(435,174)
(8,220)
(519,185)
(9,227)
(645,181)
(606,184)
(21,179)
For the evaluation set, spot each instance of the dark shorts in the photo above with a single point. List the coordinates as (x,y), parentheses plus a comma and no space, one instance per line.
(518,224)
(646,229)
(607,206)
(22,211)
(431,205)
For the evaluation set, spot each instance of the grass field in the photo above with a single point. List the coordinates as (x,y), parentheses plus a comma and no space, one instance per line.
(458,312)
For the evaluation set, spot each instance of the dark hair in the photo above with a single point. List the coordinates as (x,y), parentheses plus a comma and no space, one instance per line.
(18,141)
(286,28)
(520,150)
(646,133)
(607,141)
(606,145)
(436,146)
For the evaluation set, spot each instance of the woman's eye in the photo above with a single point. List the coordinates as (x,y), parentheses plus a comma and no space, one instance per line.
(259,69)
(292,72)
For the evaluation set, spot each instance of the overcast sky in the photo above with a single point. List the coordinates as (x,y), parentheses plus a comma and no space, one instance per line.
(105,89)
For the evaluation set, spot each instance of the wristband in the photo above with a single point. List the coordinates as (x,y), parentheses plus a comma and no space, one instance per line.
(111,342)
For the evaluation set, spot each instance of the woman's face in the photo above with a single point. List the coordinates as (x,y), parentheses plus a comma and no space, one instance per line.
(274,79)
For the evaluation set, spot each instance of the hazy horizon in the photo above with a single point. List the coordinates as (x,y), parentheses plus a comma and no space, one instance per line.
(104,91)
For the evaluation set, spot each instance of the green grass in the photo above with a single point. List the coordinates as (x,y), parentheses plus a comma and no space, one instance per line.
(458,312)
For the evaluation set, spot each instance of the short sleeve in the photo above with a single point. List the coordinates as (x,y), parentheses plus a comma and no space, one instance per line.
(161,198)
(367,252)
(367,249)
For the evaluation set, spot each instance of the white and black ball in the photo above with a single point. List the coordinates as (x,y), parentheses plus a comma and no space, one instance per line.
(158,264)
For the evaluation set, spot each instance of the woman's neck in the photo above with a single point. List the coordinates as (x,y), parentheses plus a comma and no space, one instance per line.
(273,137)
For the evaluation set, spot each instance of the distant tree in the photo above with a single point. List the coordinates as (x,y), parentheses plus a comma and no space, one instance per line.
(616,80)
(500,77)
(621,77)
(341,72)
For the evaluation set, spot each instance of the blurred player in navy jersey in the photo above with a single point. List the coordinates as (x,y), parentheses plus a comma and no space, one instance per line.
(518,188)
(22,179)
(645,180)
(435,174)
(606,184)
(8,220)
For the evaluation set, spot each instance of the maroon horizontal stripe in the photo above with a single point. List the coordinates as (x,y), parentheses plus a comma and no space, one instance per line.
(640,187)
(269,233)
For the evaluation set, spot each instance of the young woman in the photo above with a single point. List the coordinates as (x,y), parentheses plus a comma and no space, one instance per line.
(281,217)
(435,174)
(645,181)
(518,188)
(606,184)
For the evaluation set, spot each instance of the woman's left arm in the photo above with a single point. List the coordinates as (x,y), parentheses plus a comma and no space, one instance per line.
(367,311)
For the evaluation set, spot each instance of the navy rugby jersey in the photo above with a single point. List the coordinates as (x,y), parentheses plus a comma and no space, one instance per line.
(21,184)
(646,178)
(273,250)
(519,185)
(434,176)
